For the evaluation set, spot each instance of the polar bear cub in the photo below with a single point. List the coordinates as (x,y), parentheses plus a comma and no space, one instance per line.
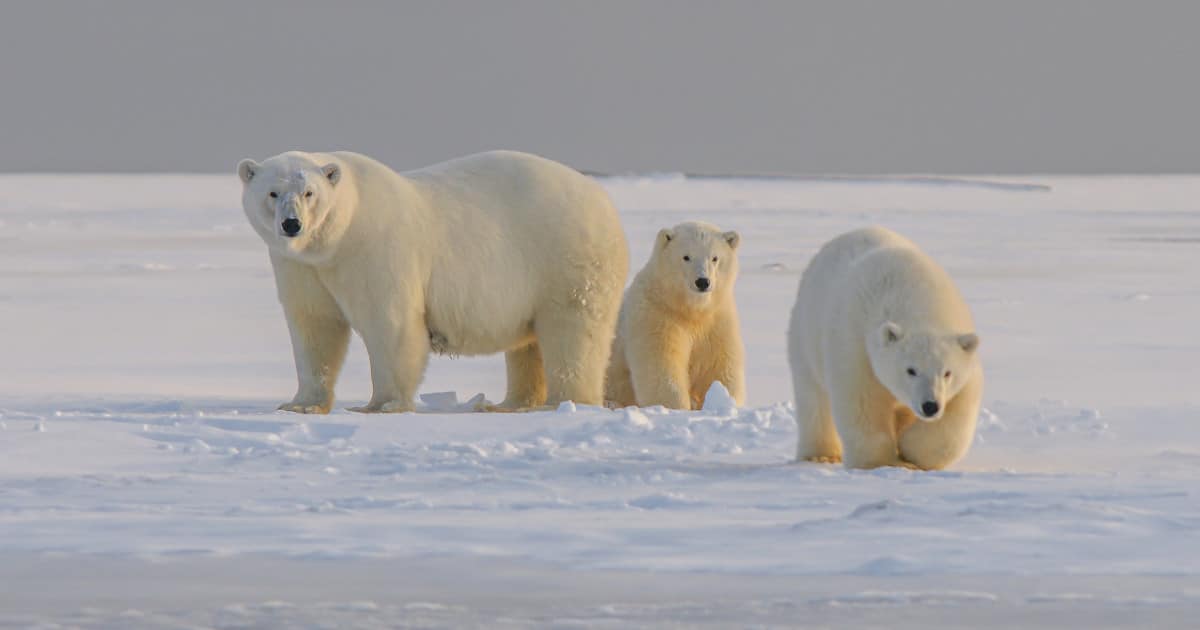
(883,355)
(495,252)
(678,330)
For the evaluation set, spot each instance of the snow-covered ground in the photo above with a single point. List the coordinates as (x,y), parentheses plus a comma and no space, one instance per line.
(146,480)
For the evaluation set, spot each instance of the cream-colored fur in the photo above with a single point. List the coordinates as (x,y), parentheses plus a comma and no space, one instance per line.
(674,340)
(879,330)
(495,252)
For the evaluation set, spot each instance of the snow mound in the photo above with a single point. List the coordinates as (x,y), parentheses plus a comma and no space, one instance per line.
(719,400)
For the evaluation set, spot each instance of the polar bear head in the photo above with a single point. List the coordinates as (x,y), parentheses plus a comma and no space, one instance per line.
(695,260)
(291,200)
(923,369)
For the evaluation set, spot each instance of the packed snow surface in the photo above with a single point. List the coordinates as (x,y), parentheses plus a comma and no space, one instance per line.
(144,354)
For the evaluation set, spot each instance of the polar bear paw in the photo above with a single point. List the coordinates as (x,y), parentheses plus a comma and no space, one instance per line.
(501,408)
(824,459)
(300,407)
(391,406)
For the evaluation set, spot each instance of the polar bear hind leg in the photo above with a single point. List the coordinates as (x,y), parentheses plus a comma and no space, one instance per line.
(575,355)
(526,378)
(618,383)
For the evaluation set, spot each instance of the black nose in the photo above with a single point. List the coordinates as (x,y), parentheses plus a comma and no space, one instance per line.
(929,408)
(702,284)
(291,227)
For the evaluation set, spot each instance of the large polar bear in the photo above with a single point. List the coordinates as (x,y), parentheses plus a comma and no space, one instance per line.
(678,331)
(495,252)
(883,355)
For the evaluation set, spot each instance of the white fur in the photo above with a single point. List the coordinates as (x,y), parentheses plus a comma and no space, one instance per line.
(495,252)
(871,305)
(672,340)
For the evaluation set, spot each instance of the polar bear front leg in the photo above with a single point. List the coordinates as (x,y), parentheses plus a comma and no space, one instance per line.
(398,355)
(728,358)
(938,444)
(867,440)
(319,333)
(319,347)
(658,366)
(864,413)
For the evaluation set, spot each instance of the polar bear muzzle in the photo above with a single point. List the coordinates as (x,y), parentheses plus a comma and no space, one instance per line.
(290,226)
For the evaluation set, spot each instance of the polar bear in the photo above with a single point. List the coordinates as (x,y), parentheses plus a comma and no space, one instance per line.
(494,252)
(883,355)
(678,330)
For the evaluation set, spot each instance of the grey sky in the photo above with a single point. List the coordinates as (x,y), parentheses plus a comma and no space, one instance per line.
(800,87)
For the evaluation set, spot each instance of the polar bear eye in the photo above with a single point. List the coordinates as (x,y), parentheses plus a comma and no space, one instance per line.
(947,374)
(686,258)
(274,194)
(307,194)
(714,259)
(911,371)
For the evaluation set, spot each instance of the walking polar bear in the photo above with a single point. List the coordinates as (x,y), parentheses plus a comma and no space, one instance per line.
(883,356)
(678,331)
(495,252)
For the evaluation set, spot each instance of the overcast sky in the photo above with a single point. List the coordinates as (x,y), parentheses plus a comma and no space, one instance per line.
(738,86)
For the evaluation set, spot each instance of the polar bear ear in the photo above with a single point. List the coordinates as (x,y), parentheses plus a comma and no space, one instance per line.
(247,169)
(332,172)
(890,333)
(969,342)
(733,238)
(664,236)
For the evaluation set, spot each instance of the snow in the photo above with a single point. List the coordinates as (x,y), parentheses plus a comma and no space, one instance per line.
(719,400)
(144,354)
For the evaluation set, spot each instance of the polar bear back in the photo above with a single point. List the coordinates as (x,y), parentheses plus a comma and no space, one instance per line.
(493,206)
(514,235)
(864,278)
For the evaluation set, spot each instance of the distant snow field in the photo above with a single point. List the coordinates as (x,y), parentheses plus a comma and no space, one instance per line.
(146,480)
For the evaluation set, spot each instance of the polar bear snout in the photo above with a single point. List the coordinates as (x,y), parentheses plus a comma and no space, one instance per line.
(291,227)
(702,284)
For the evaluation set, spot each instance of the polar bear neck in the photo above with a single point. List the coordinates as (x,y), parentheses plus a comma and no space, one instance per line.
(366,214)
(903,285)
(666,294)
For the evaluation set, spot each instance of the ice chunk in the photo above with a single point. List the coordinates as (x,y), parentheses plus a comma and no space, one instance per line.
(440,401)
(635,418)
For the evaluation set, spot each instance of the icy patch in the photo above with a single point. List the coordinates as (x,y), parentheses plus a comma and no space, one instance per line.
(889,565)
(152,267)
(634,417)
(664,500)
(907,598)
(1047,418)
